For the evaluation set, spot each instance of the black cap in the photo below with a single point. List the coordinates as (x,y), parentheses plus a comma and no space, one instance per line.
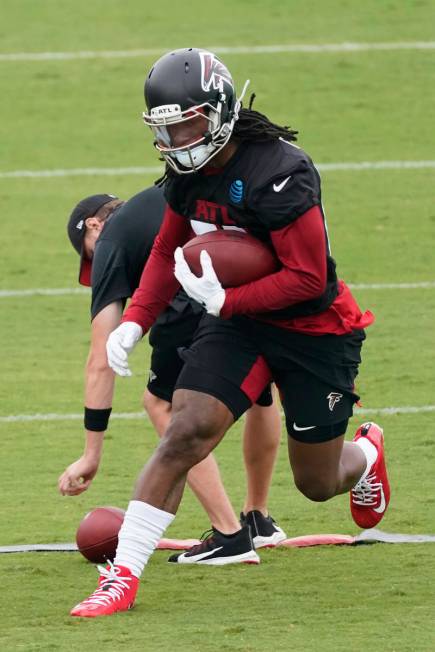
(76,230)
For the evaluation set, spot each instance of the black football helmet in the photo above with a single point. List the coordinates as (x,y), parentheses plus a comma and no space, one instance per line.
(181,86)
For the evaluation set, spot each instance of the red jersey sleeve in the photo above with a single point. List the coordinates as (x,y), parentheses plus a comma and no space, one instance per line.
(301,248)
(158,284)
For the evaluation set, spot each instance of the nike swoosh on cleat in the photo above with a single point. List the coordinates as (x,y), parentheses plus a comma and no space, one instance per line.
(381,508)
(299,429)
(279,186)
(204,555)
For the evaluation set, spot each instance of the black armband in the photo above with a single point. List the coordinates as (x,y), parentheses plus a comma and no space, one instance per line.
(97,420)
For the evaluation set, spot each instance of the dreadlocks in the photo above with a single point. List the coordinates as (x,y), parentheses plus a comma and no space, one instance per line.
(255,126)
(250,126)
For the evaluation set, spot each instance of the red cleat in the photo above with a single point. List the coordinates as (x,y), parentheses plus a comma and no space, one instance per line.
(116,591)
(370,497)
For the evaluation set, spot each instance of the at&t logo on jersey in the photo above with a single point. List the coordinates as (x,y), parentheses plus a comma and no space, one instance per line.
(236,191)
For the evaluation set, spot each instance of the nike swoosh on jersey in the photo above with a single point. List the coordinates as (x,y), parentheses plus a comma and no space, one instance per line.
(299,429)
(279,186)
(381,508)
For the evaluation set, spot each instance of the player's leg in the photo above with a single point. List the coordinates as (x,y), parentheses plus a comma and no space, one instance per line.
(261,439)
(204,479)
(173,330)
(327,468)
(197,424)
(223,363)
(230,375)
(316,378)
(323,464)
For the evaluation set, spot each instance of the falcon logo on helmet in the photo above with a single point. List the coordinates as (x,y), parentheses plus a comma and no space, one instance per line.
(192,107)
(213,72)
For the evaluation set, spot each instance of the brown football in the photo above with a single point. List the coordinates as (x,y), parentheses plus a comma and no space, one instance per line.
(237,257)
(97,534)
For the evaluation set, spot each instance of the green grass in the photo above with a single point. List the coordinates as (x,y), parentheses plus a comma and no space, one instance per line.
(368,106)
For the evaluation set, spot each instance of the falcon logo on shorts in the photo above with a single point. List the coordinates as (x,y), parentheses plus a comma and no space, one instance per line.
(334,398)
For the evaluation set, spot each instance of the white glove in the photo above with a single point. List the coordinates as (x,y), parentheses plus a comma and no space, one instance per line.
(205,289)
(120,343)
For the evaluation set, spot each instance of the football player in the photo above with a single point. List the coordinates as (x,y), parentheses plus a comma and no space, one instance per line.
(301,325)
(114,239)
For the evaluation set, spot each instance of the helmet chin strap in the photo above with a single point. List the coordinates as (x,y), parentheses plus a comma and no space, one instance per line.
(228,127)
(242,95)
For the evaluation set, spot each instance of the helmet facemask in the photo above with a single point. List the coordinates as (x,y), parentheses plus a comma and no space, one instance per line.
(192,156)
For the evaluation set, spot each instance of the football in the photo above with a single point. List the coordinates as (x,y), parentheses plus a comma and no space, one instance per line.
(97,534)
(237,257)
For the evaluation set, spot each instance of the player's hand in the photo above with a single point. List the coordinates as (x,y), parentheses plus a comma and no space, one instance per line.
(205,289)
(77,476)
(120,343)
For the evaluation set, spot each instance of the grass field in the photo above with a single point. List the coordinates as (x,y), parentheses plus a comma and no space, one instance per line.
(369,105)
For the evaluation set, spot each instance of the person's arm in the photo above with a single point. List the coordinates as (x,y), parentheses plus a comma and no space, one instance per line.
(99,387)
(301,249)
(158,284)
(156,290)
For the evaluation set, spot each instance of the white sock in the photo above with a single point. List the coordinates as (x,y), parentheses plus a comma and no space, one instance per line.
(139,535)
(371,453)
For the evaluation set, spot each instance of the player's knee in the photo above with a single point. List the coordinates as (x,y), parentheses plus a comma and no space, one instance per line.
(155,406)
(149,401)
(316,489)
(185,441)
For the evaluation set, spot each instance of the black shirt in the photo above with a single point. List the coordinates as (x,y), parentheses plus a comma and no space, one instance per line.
(123,248)
(264,187)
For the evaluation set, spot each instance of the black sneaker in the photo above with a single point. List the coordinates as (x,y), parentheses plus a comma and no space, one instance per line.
(217,549)
(265,532)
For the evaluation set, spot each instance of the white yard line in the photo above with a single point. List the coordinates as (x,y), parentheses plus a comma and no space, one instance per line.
(304,48)
(80,172)
(34,292)
(424,285)
(4,294)
(14,418)
(127,171)
(396,410)
(21,418)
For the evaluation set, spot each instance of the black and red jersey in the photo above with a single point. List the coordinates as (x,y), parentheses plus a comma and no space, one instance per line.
(272,190)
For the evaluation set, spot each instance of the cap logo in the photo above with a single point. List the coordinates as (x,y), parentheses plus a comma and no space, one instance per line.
(213,72)
(79,225)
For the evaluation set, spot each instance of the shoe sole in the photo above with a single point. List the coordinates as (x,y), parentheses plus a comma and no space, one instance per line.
(269,542)
(250,557)
(89,614)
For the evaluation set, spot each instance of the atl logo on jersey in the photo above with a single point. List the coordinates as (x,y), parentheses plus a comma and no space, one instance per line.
(208,211)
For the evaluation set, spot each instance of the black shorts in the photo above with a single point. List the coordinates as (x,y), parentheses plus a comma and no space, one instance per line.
(170,337)
(173,329)
(314,374)
(223,363)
